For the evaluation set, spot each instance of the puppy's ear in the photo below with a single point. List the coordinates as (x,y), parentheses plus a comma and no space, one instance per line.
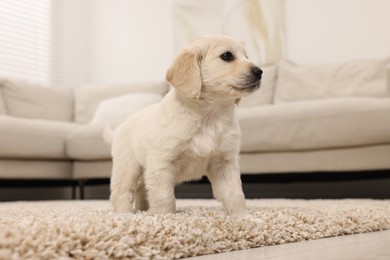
(184,74)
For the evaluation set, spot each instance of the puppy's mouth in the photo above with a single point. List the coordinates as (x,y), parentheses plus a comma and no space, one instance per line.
(248,86)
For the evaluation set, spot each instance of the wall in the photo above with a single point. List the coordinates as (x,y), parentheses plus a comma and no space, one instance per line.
(334,30)
(131,40)
(114,41)
(74,42)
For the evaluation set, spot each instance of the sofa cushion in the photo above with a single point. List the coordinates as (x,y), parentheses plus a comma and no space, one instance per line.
(36,169)
(3,110)
(86,143)
(365,78)
(89,97)
(29,100)
(265,95)
(310,125)
(362,158)
(388,78)
(117,109)
(33,138)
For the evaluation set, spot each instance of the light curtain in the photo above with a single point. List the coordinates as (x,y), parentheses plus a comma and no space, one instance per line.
(258,23)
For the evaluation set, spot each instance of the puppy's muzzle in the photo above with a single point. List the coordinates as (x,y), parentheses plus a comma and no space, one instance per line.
(253,81)
(256,72)
(250,81)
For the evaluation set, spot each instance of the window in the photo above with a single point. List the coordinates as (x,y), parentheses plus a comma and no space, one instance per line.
(26,40)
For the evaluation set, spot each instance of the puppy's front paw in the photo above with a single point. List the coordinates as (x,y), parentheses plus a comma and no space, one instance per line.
(162,209)
(121,205)
(249,217)
(122,209)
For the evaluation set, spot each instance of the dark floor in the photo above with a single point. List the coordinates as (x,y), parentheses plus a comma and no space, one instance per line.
(313,186)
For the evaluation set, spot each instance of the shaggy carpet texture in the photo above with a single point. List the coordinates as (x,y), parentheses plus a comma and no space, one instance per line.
(90,230)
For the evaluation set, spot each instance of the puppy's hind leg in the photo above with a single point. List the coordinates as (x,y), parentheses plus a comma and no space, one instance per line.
(124,179)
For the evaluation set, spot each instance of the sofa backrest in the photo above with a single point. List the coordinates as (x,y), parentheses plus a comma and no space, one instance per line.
(87,98)
(29,100)
(361,78)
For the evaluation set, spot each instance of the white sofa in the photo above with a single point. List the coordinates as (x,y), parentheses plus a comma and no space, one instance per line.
(332,117)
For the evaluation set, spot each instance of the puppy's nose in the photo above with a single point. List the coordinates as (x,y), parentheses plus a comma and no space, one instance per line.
(256,71)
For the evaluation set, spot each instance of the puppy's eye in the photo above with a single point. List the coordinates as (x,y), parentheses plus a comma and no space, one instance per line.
(227,56)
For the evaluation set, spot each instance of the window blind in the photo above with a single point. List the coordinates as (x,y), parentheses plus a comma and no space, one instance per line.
(27,43)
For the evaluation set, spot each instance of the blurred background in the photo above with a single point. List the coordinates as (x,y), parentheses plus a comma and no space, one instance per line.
(114,41)
(72,43)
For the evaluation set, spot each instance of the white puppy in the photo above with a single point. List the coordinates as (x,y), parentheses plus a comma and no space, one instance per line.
(192,132)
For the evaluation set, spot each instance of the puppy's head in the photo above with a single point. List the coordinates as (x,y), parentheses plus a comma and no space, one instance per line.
(214,67)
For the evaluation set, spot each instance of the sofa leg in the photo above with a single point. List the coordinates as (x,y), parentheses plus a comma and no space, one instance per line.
(81,189)
(74,191)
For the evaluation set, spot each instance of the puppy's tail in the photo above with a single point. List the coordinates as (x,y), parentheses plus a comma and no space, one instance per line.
(108,134)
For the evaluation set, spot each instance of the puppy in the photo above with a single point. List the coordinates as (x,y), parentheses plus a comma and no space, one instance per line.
(192,132)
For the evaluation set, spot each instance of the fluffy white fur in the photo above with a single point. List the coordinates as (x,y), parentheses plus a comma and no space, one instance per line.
(192,132)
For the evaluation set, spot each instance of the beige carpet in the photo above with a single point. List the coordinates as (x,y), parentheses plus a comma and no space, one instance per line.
(89,230)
